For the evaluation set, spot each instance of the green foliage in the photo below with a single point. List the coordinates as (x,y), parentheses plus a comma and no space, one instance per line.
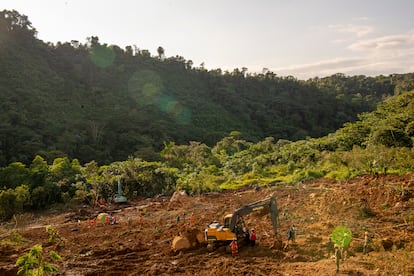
(341,236)
(53,234)
(33,263)
(13,238)
(233,162)
(225,130)
(13,175)
(7,201)
(124,103)
(82,194)
(39,171)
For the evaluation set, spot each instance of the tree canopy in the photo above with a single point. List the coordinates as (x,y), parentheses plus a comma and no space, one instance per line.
(94,101)
(75,117)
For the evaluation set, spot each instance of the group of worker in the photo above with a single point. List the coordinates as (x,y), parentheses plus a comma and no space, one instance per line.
(339,252)
(109,219)
(192,219)
(251,238)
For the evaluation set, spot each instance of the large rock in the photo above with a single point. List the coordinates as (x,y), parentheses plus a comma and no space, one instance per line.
(179,198)
(178,195)
(189,239)
(180,243)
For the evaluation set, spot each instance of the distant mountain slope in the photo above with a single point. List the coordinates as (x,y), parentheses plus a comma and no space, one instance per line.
(97,102)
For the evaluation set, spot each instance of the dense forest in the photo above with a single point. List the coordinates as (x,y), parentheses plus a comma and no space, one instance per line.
(77,116)
(379,142)
(94,101)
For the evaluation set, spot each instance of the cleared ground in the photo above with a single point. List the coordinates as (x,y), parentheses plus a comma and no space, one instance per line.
(383,205)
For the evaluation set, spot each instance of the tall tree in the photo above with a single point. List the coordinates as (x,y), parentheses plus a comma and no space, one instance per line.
(161,52)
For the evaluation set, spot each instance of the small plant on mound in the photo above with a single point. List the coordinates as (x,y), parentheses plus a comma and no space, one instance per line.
(33,263)
(341,236)
(53,234)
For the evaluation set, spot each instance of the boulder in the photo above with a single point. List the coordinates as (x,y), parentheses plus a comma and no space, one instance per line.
(180,243)
(178,195)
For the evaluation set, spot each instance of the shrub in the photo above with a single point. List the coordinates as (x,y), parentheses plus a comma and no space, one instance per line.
(33,263)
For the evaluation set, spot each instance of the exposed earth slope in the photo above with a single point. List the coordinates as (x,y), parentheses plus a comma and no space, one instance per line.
(382,205)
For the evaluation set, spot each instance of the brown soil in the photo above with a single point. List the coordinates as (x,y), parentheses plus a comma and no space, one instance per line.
(382,205)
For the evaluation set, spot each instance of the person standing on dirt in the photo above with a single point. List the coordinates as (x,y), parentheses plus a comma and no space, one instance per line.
(140,220)
(234,248)
(330,246)
(338,256)
(253,237)
(367,241)
(192,219)
(292,234)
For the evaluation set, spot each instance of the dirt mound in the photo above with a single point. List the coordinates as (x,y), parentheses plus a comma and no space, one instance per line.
(141,242)
(191,238)
(180,243)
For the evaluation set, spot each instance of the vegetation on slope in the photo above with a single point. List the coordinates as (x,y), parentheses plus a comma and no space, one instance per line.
(380,142)
(99,102)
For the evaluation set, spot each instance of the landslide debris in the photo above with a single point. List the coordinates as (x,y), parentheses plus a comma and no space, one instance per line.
(156,236)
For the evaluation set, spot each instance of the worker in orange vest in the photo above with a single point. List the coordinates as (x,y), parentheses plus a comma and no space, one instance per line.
(253,237)
(192,220)
(140,220)
(234,247)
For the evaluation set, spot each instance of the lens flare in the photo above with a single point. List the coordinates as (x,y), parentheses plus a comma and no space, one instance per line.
(145,87)
(176,110)
(102,56)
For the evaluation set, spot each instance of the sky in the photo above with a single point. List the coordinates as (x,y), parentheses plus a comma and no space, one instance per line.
(300,38)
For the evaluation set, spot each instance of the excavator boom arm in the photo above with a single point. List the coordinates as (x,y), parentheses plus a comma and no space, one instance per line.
(269,202)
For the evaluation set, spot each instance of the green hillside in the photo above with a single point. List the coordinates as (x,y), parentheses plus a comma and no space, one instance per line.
(380,142)
(94,101)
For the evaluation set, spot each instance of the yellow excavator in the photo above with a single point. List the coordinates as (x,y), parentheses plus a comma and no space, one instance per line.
(217,234)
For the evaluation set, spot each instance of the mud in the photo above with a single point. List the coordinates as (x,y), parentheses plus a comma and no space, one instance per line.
(382,205)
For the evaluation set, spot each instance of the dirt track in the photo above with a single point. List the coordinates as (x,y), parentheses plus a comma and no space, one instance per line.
(383,205)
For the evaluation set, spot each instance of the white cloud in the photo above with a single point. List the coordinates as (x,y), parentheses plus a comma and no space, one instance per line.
(382,55)
(321,68)
(324,64)
(391,42)
(358,30)
(370,65)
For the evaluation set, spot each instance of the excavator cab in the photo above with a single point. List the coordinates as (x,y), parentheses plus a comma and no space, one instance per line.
(227,220)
